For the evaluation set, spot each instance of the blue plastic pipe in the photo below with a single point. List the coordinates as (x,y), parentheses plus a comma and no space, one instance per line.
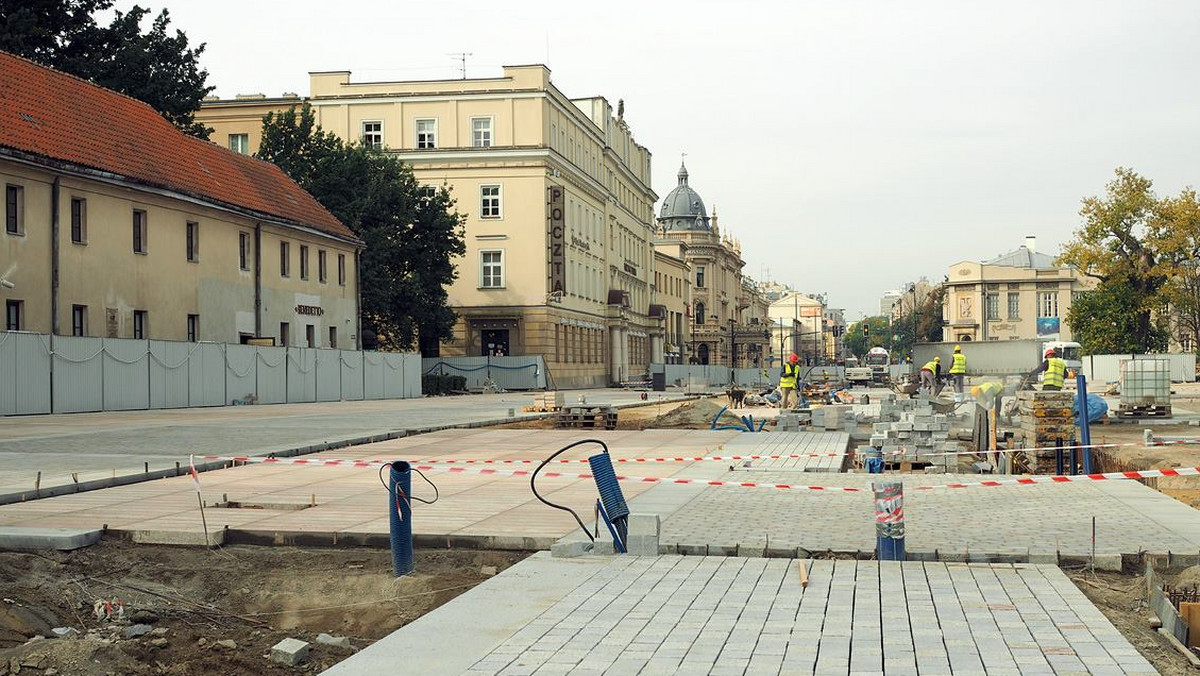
(1085,427)
(400,509)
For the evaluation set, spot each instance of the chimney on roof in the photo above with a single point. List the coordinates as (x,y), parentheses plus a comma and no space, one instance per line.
(1031,243)
(291,95)
(243,97)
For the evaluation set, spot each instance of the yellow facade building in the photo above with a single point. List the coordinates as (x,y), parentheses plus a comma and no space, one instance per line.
(673,291)
(558,202)
(120,226)
(1020,295)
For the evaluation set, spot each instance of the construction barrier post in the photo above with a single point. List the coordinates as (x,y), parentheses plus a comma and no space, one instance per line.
(889,521)
(400,509)
(1085,427)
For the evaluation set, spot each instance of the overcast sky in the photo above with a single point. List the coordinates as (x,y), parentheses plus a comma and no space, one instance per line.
(850,145)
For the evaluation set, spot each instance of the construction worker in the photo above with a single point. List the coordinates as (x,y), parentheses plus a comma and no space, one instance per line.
(788,379)
(958,369)
(1054,369)
(929,373)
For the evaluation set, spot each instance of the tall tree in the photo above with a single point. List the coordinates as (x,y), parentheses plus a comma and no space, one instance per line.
(1114,246)
(1103,324)
(411,232)
(156,67)
(1175,232)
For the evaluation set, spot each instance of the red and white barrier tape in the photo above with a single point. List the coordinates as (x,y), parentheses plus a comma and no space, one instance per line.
(492,471)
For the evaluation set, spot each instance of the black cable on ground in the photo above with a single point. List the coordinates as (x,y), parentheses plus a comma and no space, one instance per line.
(547,461)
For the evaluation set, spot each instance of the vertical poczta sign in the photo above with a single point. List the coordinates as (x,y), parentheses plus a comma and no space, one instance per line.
(558,253)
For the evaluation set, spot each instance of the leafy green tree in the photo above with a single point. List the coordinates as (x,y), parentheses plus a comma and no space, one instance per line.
(411,232)
(1175,232)
(878,334)
(1103,324)
(156,67)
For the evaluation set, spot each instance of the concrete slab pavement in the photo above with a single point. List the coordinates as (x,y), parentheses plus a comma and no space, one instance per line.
(101,449)
(716,615)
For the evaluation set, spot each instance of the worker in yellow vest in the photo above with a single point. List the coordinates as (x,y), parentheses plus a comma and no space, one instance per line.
(1054,368)
(958,369)
(929,373)
(788,379)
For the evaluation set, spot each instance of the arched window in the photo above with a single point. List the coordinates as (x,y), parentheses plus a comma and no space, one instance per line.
(700,313)
(703,350)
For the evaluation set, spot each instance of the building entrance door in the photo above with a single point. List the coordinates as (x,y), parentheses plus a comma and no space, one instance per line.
(495,343)
(703,353)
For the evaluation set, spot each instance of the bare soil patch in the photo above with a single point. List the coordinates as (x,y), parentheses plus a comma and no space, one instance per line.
(195,598)
(652,415)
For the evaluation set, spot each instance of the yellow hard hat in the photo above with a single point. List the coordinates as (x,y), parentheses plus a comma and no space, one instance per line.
(958,348)
(937,358)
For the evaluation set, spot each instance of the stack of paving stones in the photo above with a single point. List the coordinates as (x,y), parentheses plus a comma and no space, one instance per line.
(791,421)
(834,418)
(891,408)
(1046,419)
(918,432)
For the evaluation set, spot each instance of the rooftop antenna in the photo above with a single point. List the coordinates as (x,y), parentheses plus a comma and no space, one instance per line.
(462,61)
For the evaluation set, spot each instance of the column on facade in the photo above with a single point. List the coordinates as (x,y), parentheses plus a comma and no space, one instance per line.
(619,367)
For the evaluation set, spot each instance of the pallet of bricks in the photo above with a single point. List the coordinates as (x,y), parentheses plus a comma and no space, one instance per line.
(587,417)
(1046,419)
(919,436)
(546,402)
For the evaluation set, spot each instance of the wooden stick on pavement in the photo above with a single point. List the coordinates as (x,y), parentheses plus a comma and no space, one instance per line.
(803,563)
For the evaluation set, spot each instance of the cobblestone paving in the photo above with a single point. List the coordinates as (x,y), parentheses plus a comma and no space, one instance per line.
(710,615)
(829,449)
(985,523)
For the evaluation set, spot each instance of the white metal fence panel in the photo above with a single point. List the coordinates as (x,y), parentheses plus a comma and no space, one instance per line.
(207,375)
(126,375)
(1106,368)
(373,367)
(301,374)
(241,371)
(510,373)
(412,376)
(24,374)
(393,374)
(78,376)
(168,373)
(353,379)
(329,375)
(271,377)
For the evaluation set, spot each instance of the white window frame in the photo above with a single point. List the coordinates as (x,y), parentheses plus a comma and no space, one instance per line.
(487,141)
(374,143)
(1014,309)
(483,269)
(240,143)
(1047,304)
(484,208)
(992,306)
(431,143)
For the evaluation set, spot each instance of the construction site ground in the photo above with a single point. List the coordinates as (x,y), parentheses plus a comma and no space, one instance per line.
(482,512)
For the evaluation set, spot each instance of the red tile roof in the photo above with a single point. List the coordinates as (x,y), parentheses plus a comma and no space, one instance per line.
(62,118)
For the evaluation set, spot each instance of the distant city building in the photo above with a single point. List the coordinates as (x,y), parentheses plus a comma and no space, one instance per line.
(120,226)
(673,290)
(515,150)
(912,299)
(798,327)
(1021,294)
(888,301)
(728,314)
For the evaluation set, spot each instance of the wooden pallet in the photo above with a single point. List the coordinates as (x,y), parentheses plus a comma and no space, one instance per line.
(587,417)
(1144,412)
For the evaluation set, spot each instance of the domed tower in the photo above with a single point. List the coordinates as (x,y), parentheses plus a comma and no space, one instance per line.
(682,208)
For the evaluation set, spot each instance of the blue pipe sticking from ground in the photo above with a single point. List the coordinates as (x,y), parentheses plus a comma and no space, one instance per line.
(400,509)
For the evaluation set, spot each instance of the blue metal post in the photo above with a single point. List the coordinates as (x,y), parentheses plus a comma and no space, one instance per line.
(889,521)
(400,509)
(1085,427)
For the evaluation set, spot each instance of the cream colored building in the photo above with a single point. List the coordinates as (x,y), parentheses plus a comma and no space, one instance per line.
(516,152)
(673,290)
(1020,295)
(120,226)
(727,310)
(798,324)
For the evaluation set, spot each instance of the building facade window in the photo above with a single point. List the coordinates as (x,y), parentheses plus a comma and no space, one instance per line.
(372,133)
(78,320)
(78,220)
(193,328)
(342,269)
(426,134)
(139,324)
(700,313)
(285,334)
(310,335)
(322,267)
(240,143)
(700,276)
(244,250)
(193,242)
(489,201)
(481,132)
(333,337)
(14,209)
(13,309)
(1014,305)
(303,262)
(491,269)
(139,231)
(993,306)
(1047,303)
(285,259)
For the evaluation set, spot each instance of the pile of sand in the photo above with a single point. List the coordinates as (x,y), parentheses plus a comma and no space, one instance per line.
(695,415)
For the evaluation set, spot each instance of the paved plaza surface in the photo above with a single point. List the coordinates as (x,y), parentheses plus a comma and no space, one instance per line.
(100,446)
(721,615)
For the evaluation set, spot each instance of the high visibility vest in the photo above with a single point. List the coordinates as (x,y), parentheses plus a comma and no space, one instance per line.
(959,365)
(1055,371)
(930,366)
(788,379)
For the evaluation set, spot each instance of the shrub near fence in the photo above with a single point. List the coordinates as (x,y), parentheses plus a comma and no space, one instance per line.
(64,374)
(436,384)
